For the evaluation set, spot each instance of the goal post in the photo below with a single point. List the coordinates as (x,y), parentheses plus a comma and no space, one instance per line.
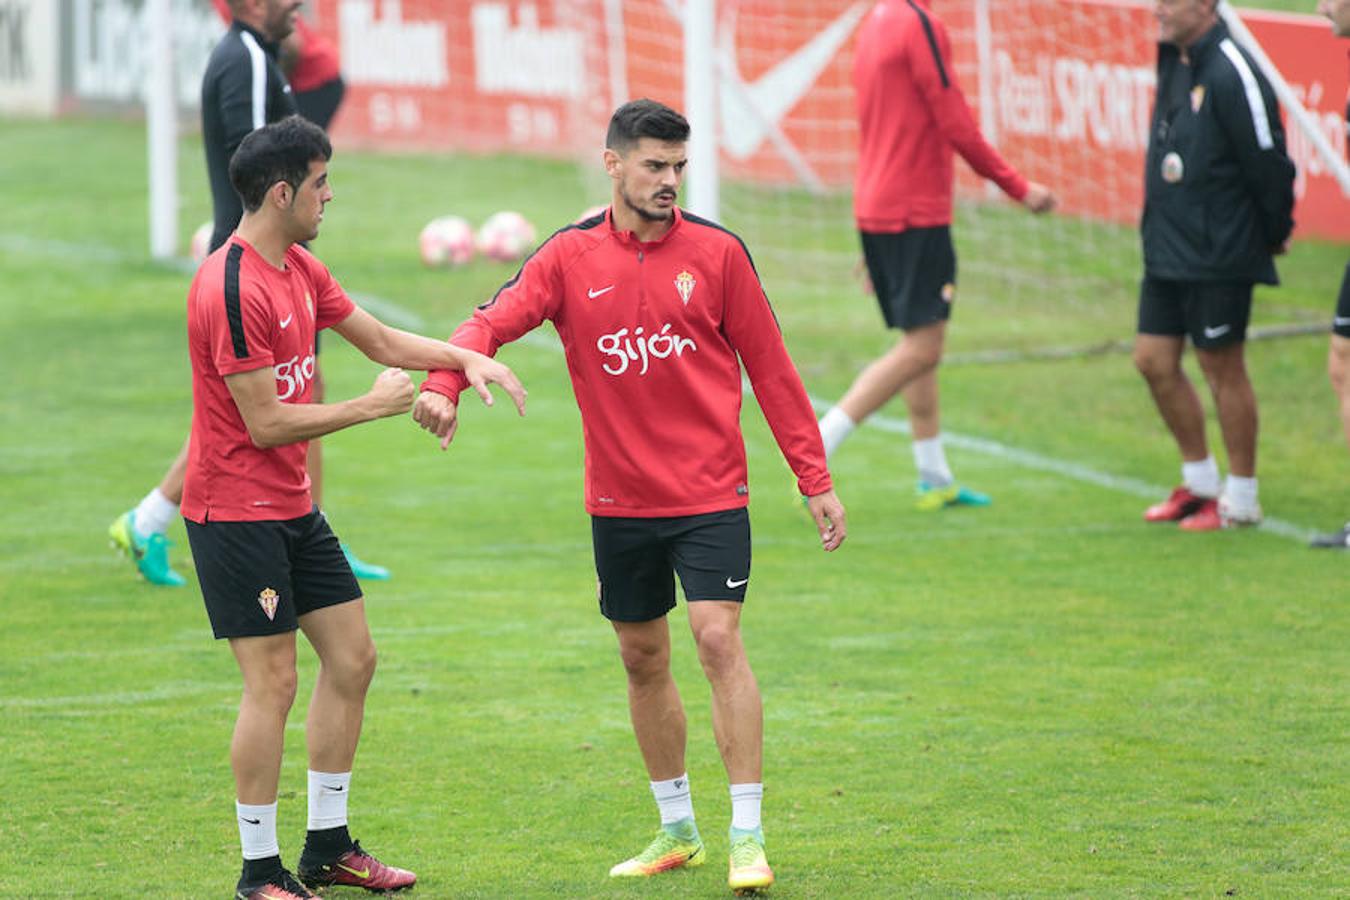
(161,129)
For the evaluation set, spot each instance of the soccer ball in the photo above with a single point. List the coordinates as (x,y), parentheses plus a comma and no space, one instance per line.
(589,213)
(505,236)
(447,241)
(201,242)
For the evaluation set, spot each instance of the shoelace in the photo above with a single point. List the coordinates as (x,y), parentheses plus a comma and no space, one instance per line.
(745,852)
(665,842)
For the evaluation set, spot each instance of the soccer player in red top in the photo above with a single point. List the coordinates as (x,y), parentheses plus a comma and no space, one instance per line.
(1338,360)
(266,559)
(657,311)
(912,117)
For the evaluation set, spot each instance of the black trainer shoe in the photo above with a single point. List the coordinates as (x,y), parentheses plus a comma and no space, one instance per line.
(1337,540)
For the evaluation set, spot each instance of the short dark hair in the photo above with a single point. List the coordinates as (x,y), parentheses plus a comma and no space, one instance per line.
(281,151)
(638,119)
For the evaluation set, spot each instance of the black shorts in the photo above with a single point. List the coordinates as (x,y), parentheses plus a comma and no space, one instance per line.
(321,104)
(635,559)
(1341,323)
(913,273)
(259,577)
(1213,313)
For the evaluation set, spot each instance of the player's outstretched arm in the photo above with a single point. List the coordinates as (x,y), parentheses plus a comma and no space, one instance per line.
(1038,198)
(395,347)
(271,423)
(829,515)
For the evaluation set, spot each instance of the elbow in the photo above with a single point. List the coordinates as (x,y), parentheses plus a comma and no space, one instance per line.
(263,435)
(262,441)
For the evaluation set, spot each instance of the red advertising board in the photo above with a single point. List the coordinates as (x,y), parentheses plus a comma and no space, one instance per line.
(1063,87)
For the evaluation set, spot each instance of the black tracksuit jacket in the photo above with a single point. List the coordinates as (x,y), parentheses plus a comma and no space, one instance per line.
(1218,184)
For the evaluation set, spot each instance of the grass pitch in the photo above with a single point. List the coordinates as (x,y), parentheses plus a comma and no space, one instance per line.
(1044,698)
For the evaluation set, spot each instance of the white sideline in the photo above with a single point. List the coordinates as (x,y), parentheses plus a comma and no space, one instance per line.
(405,318)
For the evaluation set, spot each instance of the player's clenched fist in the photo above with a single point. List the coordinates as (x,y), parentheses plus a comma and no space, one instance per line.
(438,414)
(392,392)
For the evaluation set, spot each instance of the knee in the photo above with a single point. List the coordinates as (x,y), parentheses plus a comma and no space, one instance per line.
(719,649)
(275,690)
(1155,367)
(644,662)
(358,667)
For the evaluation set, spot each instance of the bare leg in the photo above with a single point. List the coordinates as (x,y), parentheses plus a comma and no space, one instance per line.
(653,700)
(341,638)
(916,354)
(171,486)
(1158,359)
(268,666)
(1338,367)
(738,717)
(1226,371)
(921,397)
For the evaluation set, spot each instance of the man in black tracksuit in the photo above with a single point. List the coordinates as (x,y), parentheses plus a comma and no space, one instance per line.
(1218,203)
(243,90)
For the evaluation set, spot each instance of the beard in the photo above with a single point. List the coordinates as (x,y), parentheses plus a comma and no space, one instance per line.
(650,215)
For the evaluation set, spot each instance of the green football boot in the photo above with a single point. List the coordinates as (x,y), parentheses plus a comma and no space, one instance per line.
(150,554)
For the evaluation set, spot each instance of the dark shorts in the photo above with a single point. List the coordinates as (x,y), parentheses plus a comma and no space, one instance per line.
(636,558)
(321,104)
(259,577)
(1213,313)
(913,273)
(1341,323)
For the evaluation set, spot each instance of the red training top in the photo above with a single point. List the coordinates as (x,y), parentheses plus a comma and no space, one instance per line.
(244,314)
(652,332)
(911,116)
(317,63)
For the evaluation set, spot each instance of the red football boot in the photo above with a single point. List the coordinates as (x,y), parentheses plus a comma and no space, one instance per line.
(1206,518)
(356,868)
(1176,507)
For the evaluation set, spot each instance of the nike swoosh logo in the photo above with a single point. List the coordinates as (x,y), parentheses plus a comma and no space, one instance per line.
(251,821)
(363,873)
(736,584)
(1341,320)
(751,112)
(287,321)
(1215,332)
(330,787)
(603,290)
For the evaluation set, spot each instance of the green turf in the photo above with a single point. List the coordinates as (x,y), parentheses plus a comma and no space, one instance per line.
(1044,698)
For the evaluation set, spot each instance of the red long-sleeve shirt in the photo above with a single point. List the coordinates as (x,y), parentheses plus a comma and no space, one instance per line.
(652,332)
(911,117)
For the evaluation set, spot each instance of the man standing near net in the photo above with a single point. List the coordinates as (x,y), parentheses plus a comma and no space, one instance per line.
(657,310)
(267,562)
(1218,204)
(1338,362)
(243,88)
(912,118)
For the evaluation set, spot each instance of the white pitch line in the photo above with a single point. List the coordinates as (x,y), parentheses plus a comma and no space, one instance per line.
(1027,459)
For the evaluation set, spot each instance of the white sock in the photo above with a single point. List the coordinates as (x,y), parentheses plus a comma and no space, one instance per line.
(1201,478)
(328,799)
(1241,492)
(258,829)
(673,799)
(932,462)
(745,801)
(154,513)
(835,425)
